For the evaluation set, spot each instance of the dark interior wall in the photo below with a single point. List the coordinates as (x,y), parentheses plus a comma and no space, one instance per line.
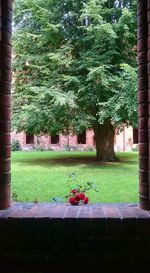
(57,238)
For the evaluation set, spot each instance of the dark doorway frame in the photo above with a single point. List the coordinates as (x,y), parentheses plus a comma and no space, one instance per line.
(143,47)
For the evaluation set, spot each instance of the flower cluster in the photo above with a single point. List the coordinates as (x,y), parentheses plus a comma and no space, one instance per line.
(77,192)
(78,197)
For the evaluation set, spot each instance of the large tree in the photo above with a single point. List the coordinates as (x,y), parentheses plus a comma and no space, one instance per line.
(75,68)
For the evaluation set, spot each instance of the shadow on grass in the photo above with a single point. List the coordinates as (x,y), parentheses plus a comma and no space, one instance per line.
(75,160)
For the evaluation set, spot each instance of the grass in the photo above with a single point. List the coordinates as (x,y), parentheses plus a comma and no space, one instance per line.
(43,175)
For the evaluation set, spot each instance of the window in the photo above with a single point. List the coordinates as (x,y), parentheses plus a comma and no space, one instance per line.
(29,139)
(135,136)
(55,139)
(81,139)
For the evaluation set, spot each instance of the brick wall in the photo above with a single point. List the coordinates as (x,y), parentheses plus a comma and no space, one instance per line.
(61,238)
(143,100)
(5,101)
(122,142)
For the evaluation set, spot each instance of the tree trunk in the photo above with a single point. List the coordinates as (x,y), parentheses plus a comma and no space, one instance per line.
(104,137)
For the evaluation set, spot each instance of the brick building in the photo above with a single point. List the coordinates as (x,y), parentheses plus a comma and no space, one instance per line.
(122,142)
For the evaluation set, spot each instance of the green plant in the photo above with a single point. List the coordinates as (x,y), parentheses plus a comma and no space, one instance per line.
(14,196)
(40,147)
(135,148)
(77,193)
(15,146)
(89,149)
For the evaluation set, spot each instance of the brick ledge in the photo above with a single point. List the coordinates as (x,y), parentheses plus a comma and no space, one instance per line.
(65,210)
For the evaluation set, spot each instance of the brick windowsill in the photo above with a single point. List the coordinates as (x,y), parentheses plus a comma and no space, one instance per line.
(65,210)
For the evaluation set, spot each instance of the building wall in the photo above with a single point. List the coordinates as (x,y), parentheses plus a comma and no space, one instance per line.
(122,141)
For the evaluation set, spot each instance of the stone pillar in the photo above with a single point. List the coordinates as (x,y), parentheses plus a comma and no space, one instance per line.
(5,101)
(142,47)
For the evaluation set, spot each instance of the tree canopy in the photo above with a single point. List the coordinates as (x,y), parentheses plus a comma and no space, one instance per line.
(74,65)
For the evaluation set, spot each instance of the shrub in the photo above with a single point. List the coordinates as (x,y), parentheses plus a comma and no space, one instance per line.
(90,149)
(15,146)
(135,148)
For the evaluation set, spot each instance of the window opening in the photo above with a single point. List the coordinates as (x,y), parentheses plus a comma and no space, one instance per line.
(135,136)
(29,139)
(81,138)
(55,139)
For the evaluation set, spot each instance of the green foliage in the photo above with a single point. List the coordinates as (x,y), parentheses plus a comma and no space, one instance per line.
(15,146)
(74,64)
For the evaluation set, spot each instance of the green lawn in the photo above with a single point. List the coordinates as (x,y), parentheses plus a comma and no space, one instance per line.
(43,175)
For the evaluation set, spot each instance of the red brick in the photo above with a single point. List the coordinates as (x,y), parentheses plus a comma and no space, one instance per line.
(5,127)
(5,165)
(5,178)
(144,203)
(141,7)
(144,175)
(5,190)
(142,96)
(6,38)
(143,110)
(142,45)
(148,29)
(142,57)
(7,75)
(59,211)
(5,151)
(141,31)
(148,43)
(85,211)
(7,4)
(143,163)
(5,100)
(142,83)
(5,87)
(72,212)
(4,202)
(5,113)
(7,50)
(142,70)
(111,212)
(143,123)
(143,149)
(148,55)
(141,19)
(149,123)
(148,95)
(97,212)
(5,139)
(6,63)
(148,16)
(143,135)
(148,68)
(144,188)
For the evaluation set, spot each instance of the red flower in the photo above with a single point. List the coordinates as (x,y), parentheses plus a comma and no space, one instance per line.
(74,191)
(86,200)
(81,195)
(73,201)
(77,197)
